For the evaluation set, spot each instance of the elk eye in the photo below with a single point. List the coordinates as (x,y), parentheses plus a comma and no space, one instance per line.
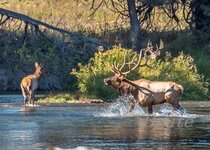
(115,79)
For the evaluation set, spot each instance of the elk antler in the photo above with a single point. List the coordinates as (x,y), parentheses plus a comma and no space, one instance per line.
(132,63)
(152,54)
(117,70)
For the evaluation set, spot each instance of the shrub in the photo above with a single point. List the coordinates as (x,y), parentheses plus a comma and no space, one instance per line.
(90,76)
(180,69)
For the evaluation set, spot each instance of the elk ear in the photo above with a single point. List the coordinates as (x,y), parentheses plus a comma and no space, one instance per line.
(40,65)
(36,64)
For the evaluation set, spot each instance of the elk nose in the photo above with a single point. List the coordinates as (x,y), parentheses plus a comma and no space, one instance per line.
(105,80)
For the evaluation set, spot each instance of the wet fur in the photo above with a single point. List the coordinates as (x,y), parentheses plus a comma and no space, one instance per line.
(148,93)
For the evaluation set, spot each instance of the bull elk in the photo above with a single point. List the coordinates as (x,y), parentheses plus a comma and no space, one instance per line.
(29,84)
(146,93)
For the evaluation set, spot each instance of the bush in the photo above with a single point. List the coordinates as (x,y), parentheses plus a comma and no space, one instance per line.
(180,69)
(90,77)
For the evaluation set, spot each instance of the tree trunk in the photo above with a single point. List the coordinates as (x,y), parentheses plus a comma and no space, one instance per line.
(135,26)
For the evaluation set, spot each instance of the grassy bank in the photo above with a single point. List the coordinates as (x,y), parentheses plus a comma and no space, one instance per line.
(64,97)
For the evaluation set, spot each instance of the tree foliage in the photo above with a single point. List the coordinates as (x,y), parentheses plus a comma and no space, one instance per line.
(180,69)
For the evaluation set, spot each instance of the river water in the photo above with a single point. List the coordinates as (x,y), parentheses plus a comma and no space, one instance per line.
(104,126)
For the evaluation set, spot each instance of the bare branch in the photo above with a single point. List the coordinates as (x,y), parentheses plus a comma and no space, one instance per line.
(95,9)
(34,22)
(7,18)
(26,31)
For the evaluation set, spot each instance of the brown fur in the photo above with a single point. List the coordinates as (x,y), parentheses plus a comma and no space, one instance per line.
(29,84)
(147,93)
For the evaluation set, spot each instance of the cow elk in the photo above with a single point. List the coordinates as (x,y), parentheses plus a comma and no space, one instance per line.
(146,93)
(29,84)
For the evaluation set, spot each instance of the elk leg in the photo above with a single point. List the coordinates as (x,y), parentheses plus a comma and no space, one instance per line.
(131,105)
(171,99)
(176,105)
(150,110)
(33,97)
(24,95)
(29,99)
(30,96)
(24,100)
(179,107)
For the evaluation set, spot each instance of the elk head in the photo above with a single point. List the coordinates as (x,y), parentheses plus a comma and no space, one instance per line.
(39,69)
(119,76)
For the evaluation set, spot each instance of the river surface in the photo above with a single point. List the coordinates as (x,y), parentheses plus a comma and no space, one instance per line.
(103,126)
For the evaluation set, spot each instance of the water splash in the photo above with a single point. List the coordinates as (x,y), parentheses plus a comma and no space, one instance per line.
(50,146)
(168,111)
(120,108)
(31,105)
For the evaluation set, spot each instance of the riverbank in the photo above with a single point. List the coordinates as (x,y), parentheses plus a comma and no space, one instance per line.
(68,98)
(20,104)
(44,98)
(201,104)
(49,100)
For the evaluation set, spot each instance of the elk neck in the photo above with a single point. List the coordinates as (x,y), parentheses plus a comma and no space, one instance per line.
(37,74)
(132,85)
(125,87)
(136,86)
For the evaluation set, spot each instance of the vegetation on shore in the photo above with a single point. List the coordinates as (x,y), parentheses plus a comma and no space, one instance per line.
(189,65)
(180,69)
(67,97)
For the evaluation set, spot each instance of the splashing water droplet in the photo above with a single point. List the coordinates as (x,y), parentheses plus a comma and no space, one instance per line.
(168,110)
(121,108)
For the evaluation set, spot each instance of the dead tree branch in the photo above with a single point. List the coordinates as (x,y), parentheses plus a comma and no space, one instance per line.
(36,23)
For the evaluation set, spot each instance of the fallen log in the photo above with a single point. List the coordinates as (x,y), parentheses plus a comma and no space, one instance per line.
(36,23)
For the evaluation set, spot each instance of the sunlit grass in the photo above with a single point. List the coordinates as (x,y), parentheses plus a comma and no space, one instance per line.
(76,16)
(68,98)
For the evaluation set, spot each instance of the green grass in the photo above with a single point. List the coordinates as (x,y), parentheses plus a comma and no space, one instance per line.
(68,98)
